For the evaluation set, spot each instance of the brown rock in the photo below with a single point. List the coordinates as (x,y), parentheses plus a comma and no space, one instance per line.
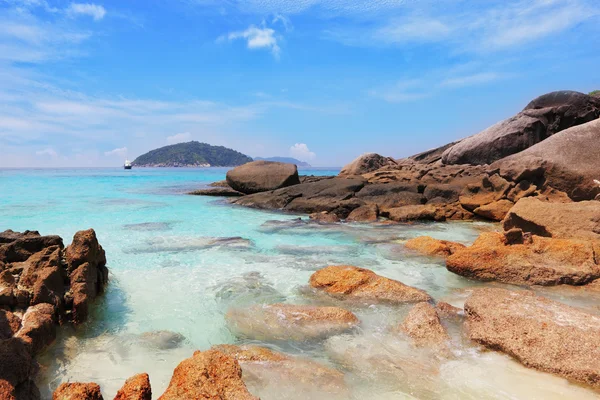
(495,211)
(262,176)
(433,247)
(9,324)
(85,248)
(545,261)
(542,334)
(368,213)
(217,192)
(414,213)
(422,324)
(560,220)
(16,365)
(290,322)
(207,375)
(488,190)
(523,189)
(39,327)
(514,236)
(391,195)
(77,391)
(135,388)
(324,217)
(448,311)
(361,284)
(366,163)
(21,249)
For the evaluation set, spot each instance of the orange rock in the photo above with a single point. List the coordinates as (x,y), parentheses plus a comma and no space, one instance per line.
(367,213)
(77,391)
(544,261)
(445,310)
(433,247)
(495,211)
(290,322)
(207,375)
(362,284)
(324,217)
(423,325)
(135,388)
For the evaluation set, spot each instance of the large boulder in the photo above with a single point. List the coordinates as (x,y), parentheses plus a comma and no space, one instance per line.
(423,326)
(558,220)
(262,176)
(348,282)
(542,118)
(543,261)
(135,388)
(289,322)
(540,333)
(207,375)
(78,391)
(25,245)
(433,247)
(567,161)
(366,163)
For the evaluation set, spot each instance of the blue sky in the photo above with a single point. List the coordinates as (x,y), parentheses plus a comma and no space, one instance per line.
(90,83)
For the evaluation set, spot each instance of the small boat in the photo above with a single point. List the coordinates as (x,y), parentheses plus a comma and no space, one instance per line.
(127,164)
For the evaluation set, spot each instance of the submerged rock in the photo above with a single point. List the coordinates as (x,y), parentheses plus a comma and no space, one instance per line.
(348,282)
(262,176)
(135,388)
(149,226)
(162,340)
(366,163)
(433,247)
(289,322)
(217,192)
(324,217)
(251,286)
(540,333)
(422,324)
(270,372)
(579,220)
(178,244)
(78,391)
(544,261)
(207,375)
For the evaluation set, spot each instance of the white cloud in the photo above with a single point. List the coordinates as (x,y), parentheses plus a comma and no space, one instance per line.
(470,80)
(93,10)
(301,152)
(258,38)
(412,30)
(121,152)
(179,138)
(47,152)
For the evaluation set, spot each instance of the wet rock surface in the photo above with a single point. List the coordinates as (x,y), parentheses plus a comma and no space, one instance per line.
(540,333)
(542,261)
(423,326)
(262,176)
(42,285)
(348,282)
(289,322)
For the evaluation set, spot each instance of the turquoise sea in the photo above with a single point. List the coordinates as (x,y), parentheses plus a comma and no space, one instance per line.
(178,263)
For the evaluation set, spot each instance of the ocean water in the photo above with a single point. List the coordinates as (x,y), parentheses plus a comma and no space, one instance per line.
(178,263)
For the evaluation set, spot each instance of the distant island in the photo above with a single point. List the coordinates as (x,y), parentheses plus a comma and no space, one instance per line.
(285,160)
(192,154)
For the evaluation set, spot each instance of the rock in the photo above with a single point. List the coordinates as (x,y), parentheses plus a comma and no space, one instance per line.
(515,236)
(135,388)
(545,261)
(263,367)
(361,284)
(162,340)
(9,236)
(218,192)
(433,247)
(390,195)
(289,322)
(77,391)
(542,118)
(207,375)
(85,249)
(368,213)
(422,324)
(488,190)
(414,213)
(16,366)
(38,327)
(579,220)
(334,195)
(542,334)
(9,324)
(324,217)
(568,161)
(448,311)
(523,189)
(495,211)
(43,275)
(366,163)
(21,249)
(442,193)
(262,176)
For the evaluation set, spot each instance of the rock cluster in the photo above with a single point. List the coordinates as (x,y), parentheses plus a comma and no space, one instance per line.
(42,285)
(261,176)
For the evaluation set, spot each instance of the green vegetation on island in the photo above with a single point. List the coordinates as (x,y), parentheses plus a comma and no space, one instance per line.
(192,154)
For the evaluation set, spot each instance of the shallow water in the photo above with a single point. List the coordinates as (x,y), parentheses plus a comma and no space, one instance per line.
(178,263)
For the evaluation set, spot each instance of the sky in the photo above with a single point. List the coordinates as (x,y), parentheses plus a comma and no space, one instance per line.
(91,83)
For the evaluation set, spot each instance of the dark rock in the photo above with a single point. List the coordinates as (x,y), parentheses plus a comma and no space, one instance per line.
(390,195)
(16,365)
(9,324)
(217,192)
(514,236)
(9,236)
(368,213)
(21,249)
(324,217)
(542,334)
(568,161)
(366,163)
(78,391)
(442,193)
(262,176)
(542,118)
(413,213)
